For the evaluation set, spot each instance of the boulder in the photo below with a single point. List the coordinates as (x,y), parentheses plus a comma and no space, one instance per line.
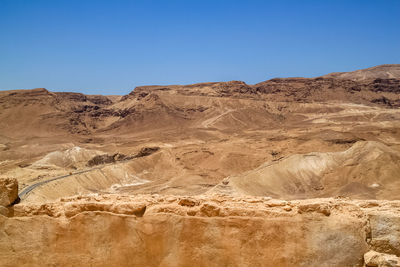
(8,191)
(189,202)
(373,258)
(210,209)
(385,232)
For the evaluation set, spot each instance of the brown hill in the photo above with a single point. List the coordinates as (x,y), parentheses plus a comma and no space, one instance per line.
(43,113)
(206,132)
(150,107)
(386,71)
(366,170)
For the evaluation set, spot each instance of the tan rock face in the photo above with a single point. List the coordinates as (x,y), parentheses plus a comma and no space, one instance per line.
(153,230)
(8,191)
(4,211)
(373,258)
(386,237)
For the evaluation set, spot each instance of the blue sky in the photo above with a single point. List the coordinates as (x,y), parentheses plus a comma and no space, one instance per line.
(109,47)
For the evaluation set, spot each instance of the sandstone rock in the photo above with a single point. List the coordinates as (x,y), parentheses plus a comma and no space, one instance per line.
(385,232)
(3,211)
(210,209)
(315,207)
(369,204)
(276,203)
(189,202)
(373,258)
(137,209)
(8,191)
(147,230)
(191,212)
(170,199)
(253,200)
(287,208)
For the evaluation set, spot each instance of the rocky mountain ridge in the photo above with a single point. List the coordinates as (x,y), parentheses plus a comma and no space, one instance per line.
(81,114)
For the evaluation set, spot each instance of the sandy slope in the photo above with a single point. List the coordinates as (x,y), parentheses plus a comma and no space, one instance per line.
(367,170)
(288,138)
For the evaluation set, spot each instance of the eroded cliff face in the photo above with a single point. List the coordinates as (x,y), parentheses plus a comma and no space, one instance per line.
(206,230)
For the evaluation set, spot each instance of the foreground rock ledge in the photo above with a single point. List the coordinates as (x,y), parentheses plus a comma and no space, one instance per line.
(153,230)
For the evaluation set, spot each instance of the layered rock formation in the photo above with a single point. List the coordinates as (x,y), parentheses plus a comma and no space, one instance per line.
(215,230)
(321,174)
(170,106)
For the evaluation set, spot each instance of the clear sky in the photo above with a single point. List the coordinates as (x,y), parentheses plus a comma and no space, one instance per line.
(109,47)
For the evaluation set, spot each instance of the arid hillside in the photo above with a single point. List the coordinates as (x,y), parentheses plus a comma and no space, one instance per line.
(387,71)
(335,135)
(286,172)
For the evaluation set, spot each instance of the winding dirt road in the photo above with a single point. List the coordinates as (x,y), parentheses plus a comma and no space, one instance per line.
(33,186)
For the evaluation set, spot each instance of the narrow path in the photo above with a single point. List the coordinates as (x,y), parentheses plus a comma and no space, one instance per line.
(212,120)
(33,186)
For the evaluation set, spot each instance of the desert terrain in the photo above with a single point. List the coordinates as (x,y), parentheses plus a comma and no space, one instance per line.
(285,172)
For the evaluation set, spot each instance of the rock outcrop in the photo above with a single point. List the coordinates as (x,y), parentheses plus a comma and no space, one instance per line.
(373,258)
(8,194)
(105,158)
(8,191)
(214,230)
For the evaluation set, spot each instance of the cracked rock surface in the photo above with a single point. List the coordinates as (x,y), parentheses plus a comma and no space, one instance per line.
(204,230)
